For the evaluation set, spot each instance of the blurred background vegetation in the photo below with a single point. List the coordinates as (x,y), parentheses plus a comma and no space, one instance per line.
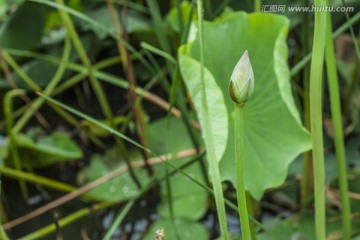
(116,62)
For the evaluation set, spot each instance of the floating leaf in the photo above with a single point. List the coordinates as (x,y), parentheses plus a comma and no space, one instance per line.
(189,200)
(121,187)
(47,150)
(273,132)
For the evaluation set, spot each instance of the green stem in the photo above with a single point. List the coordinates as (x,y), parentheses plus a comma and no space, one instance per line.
(338,131)
(209,140)
(257,5)
(240,185)
(177,95)
(316,70)
(8,102)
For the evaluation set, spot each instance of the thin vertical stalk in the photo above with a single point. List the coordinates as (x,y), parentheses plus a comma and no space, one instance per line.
(338,131)
(178,96)
(257,5)
(209,140)
(316,75)
(240,185)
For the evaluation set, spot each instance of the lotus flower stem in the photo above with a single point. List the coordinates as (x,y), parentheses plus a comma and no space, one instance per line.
(240,89)
(240,185)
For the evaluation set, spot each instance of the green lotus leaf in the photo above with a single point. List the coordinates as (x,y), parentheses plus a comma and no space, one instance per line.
(273,132)
(189,200)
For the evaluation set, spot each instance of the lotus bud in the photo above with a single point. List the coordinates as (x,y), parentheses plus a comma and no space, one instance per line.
(242,80)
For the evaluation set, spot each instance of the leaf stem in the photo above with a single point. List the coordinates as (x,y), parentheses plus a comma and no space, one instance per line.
(209,140)
(240,186)
(316,71)
(338,131)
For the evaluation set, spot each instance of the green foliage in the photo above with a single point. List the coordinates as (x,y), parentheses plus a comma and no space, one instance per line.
(190,201)
(119,188)
(161,132)
(269,148)
(43,151)
(43,42)
(135,22)
(24,28)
